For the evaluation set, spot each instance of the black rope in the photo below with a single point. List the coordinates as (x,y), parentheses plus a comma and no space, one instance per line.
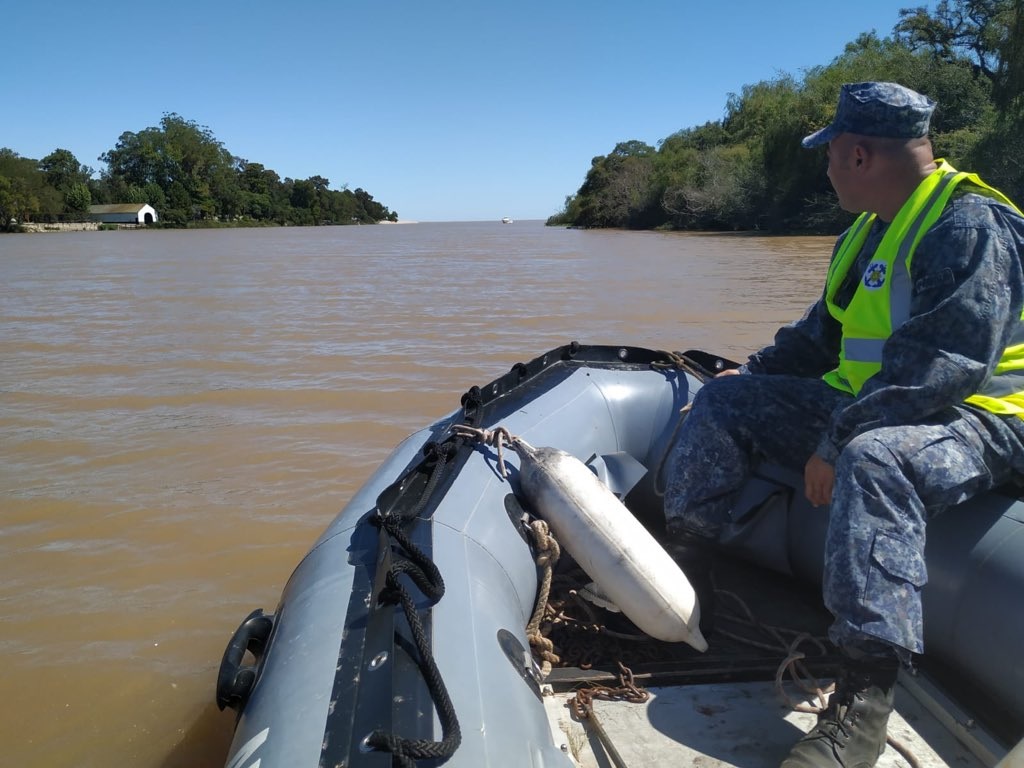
(427,578)
(406,751)
(421,569)
(439,454)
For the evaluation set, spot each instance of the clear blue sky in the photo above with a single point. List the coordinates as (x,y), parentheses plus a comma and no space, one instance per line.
(441,110)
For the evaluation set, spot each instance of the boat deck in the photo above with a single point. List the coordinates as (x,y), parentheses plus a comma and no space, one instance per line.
(735,705)
(733,725)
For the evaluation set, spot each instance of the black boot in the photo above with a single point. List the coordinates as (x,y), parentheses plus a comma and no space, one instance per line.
(851,732)
(695,555)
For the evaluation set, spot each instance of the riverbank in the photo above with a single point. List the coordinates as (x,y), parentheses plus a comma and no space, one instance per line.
(93,226)
(61,226)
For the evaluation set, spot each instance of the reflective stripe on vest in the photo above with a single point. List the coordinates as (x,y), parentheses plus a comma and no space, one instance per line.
(882,299)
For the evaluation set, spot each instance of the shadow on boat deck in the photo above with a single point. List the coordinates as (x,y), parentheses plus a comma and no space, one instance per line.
(732,706)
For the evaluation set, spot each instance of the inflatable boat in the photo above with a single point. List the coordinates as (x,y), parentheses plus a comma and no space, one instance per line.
(401,637)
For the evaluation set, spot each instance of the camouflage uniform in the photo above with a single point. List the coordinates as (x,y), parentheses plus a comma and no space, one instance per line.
(904,449)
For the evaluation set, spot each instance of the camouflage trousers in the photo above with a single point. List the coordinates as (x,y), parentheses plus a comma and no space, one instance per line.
(888,482)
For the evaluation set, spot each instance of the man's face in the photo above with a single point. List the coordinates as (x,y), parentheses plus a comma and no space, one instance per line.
(841,171)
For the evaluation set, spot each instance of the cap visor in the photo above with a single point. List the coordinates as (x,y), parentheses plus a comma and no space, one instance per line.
(816,139)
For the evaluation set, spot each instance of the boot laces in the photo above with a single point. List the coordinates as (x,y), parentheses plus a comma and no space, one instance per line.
(835,724)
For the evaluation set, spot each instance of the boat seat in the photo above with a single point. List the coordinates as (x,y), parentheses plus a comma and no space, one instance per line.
(620,471)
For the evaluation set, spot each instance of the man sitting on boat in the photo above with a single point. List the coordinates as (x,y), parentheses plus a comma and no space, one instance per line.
(899,394)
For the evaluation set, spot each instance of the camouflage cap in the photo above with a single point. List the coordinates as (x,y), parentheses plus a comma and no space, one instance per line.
(877,109)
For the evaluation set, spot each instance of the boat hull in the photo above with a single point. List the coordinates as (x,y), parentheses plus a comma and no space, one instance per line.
(342,665)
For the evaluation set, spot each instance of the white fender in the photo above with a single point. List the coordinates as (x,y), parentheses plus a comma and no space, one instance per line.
(1015,758)
(610,544)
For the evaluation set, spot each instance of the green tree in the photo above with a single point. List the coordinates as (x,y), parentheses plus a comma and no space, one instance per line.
(69,178)
(976,31)
(1009,95)
(369,210)
(17,203)
(720,193)
(14,204)
(617,191)
(62,169)
(183,159)
(27,194)
(154,194)
(749,170)
(183,170)
(77,198)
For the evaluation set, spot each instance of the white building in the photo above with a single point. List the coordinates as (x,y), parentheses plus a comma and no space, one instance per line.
(123,213)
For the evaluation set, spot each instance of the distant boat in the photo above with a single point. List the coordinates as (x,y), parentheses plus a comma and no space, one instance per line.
(506,220)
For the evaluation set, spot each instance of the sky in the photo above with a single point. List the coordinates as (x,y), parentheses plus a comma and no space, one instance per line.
(442,110)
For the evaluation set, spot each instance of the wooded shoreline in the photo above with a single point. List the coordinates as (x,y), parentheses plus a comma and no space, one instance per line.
(749,172)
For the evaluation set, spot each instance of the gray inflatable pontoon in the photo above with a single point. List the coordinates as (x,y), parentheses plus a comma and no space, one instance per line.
(400,637)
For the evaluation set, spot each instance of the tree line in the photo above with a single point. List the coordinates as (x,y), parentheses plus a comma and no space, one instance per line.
(748,170)
(185,173)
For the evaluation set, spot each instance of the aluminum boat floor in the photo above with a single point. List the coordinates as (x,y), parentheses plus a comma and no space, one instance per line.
(722,709)
(733,725)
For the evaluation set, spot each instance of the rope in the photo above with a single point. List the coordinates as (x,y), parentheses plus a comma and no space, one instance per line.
(798,673)
(440,453)
(406,751)
(791,663)
(425,575)
(904,751)
(420,568)
(546,548)
(547,554)
(496,438)
(659,488)
(679,362)
(675,361)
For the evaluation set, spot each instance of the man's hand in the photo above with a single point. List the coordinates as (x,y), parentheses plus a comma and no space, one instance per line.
(819,476)
(727,372)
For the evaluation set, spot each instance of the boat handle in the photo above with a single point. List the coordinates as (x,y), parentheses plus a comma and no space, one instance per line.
(235,681)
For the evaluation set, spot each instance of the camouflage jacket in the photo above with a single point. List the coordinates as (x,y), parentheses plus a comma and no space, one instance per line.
(966,303)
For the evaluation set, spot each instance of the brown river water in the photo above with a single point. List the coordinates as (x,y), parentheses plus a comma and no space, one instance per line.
(181,414)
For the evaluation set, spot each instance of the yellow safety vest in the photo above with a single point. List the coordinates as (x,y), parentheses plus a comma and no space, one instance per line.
(881,302)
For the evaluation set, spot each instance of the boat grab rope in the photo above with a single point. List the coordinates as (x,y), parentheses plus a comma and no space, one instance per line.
(427,578)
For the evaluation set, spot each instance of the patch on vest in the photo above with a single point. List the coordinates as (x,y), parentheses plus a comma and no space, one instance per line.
(874,275)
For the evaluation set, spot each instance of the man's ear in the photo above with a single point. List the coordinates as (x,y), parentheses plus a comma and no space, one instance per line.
(861,154)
